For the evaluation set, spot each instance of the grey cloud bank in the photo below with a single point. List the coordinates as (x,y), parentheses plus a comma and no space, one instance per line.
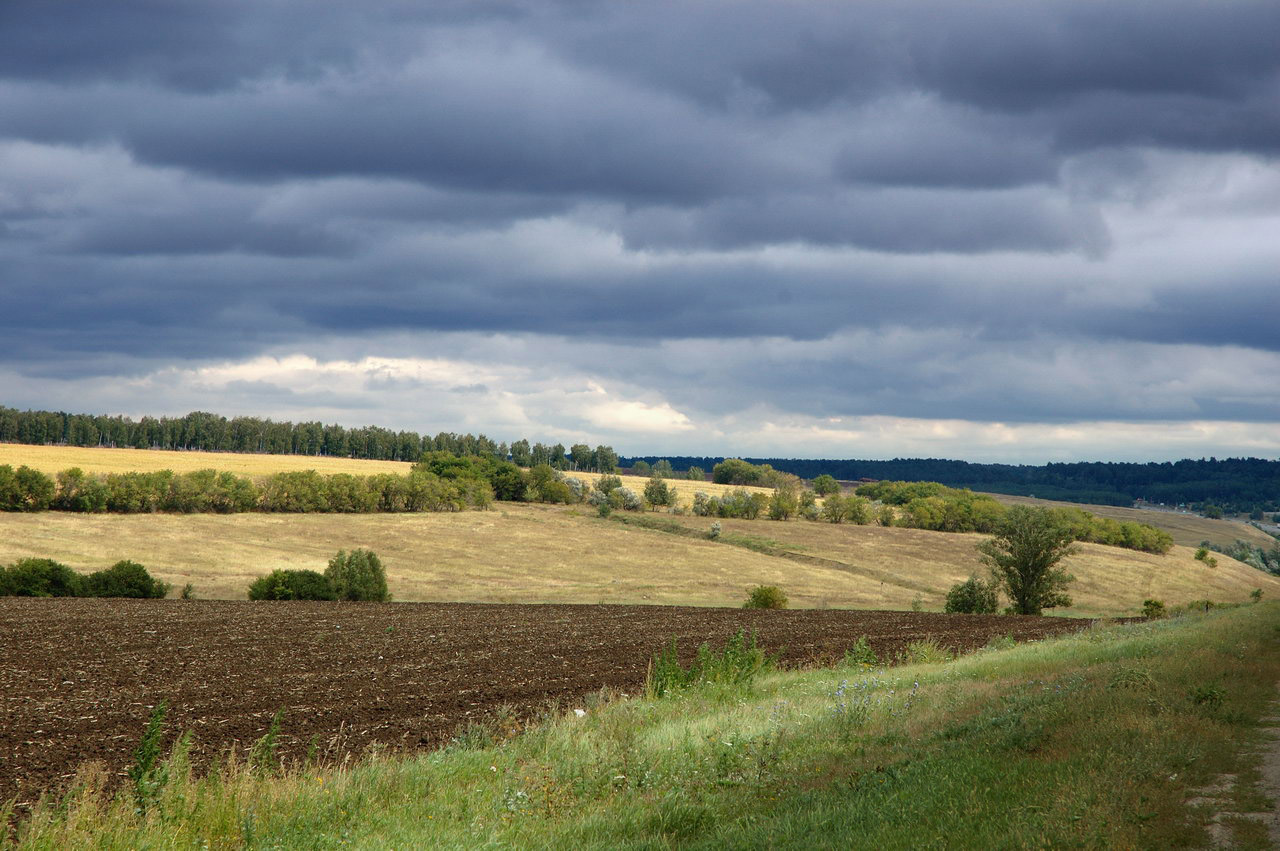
(657,224)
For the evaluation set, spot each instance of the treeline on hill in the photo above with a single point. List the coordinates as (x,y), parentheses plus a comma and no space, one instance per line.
(204,432)
(1238,485)
(440,481)
(931,505)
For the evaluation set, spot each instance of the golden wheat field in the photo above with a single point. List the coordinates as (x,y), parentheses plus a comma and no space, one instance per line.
(52,459)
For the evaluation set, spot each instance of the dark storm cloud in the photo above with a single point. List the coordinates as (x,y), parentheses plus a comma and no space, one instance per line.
(212,179)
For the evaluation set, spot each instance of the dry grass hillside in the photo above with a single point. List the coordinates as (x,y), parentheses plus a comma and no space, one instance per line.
(530,553)
(514,553)
(1186,529)
(905,564)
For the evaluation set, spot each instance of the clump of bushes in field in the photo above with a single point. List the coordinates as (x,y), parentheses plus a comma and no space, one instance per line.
(766,597)
(292,585)
(356,575)
(43,577)
(737,665)
(974,596)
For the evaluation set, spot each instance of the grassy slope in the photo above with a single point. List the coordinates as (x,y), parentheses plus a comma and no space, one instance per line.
(521,553)
(1089,741)
(1186,529)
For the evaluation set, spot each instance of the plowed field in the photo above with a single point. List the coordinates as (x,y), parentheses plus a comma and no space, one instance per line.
(78,678)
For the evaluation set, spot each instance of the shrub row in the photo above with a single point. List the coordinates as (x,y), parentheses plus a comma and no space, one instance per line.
(208,491)
(930,505)
(43,577)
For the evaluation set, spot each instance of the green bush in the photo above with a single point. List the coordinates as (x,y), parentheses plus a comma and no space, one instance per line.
(1153,609)
(357,575)
(766,597)
(124,579)
(292,585)
(974,596)
(39,577)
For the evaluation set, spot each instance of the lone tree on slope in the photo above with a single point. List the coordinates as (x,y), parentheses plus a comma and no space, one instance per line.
(1023,557)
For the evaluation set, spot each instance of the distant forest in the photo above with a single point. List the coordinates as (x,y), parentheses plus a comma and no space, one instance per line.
(204,432)
(1234,484)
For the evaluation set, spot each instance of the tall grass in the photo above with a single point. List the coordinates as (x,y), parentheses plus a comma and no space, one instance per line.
(1092,740)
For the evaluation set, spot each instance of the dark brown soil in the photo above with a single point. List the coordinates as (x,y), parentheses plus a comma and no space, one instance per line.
(79,678)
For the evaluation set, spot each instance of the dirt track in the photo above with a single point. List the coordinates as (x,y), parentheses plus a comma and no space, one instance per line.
(78,678)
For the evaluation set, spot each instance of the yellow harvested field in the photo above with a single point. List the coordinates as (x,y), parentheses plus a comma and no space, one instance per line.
(515,553)
(531,553)
(1186,529)
(906,563)
(53,459)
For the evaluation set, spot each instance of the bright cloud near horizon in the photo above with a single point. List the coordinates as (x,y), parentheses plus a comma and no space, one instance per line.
(998,232)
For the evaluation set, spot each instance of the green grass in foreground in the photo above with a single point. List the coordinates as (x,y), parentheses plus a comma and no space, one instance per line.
(1088,741)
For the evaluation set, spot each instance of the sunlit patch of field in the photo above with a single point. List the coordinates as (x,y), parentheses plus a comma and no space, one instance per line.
(53,459)
(684,488)
(924,564)
(1186,529)
(514,553)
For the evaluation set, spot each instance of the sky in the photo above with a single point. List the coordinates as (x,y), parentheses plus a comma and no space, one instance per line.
(1001,231)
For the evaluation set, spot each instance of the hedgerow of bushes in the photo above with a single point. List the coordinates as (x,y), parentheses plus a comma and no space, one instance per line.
(43,577)
(440,481)
(930,505)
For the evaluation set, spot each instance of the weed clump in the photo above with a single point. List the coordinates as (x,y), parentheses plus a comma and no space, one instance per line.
(766,597)
(924,651)
(737,665)
(860,655)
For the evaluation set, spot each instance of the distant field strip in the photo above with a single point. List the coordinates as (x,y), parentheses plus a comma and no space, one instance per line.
(54,459)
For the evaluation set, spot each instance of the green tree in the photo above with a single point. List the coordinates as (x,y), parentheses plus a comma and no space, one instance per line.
(696,474)
(581,456)
(521,455)
(657,492)
(825,485)
(640,468)
(663,468)
(606,460)
(1024,555)
(357,575)
(783,504)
